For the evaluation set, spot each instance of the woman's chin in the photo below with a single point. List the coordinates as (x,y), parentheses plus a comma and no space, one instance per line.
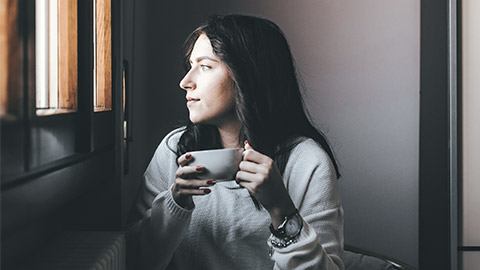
(196,120)
(201,121)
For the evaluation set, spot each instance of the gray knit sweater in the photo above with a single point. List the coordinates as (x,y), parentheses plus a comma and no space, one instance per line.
(226,231)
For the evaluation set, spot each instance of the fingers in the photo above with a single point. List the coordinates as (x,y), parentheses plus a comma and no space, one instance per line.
(184,159)
(248,185)
(250,181)
(193,186)
(255,166)
(251,167)
(251,155)
(189,171)
(248,146)
(186,183)
(243,176)
(183,190)
(193,183)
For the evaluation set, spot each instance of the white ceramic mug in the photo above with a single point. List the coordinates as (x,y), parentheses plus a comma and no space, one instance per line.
(220,164)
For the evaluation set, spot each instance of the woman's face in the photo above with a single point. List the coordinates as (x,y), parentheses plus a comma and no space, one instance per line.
(210,94)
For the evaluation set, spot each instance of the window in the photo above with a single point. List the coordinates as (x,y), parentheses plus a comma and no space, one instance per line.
(56,53)
(56,56)
(51,160)
(56,87)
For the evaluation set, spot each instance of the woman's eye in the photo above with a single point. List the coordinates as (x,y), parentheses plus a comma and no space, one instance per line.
(205,67)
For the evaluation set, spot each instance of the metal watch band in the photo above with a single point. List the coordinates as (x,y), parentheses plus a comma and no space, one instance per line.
(279,237)
(280,232)
(280,243)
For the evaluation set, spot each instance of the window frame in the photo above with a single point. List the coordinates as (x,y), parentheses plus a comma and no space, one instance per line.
(94,131)
(439,134)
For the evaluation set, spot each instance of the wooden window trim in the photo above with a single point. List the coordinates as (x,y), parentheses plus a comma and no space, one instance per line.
(103,55)
(68,54)
(10,61)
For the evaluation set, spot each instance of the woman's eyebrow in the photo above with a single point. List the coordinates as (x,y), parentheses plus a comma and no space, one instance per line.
(200,58)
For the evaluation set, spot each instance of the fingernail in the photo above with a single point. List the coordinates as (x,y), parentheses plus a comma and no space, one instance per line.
(211,182)
(188,155)
(207,191)
(200,167)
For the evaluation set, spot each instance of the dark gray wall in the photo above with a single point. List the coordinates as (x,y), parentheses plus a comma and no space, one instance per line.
(360,64)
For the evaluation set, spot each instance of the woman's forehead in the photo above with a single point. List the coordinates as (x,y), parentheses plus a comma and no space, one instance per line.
(202,49)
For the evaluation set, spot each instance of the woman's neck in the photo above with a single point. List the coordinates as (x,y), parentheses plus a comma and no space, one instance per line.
(229,133)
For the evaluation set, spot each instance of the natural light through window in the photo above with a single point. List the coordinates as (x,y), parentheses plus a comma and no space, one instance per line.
(56,56)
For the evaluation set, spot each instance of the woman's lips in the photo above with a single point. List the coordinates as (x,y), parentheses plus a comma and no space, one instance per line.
(191,101)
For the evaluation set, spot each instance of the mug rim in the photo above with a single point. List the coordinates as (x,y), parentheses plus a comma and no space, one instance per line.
(215,150)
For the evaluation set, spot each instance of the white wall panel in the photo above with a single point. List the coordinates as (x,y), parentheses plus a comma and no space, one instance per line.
(471,123)
(471,260)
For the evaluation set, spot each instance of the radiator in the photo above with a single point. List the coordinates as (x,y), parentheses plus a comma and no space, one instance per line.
(96,250)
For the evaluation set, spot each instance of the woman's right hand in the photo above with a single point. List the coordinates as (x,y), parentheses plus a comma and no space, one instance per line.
(186,184)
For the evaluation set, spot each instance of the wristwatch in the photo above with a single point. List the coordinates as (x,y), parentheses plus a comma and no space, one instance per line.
(287,233)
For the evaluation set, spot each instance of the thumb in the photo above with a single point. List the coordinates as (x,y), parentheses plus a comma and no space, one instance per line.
(247,145)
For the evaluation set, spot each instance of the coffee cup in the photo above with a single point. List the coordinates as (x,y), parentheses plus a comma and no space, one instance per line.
(220,164)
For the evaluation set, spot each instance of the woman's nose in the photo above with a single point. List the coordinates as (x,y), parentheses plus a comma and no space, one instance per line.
(187,82)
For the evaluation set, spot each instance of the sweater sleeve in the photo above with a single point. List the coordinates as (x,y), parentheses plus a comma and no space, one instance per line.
(311,181)
(161,222)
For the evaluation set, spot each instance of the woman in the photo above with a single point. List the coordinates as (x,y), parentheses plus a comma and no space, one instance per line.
(283,210)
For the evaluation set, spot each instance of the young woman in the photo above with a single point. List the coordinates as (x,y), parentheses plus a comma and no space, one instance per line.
(283,211)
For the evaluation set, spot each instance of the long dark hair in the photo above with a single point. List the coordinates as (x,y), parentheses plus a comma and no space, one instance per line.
(267,92)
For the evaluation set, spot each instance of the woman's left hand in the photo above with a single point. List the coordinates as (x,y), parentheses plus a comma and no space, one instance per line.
(260,176)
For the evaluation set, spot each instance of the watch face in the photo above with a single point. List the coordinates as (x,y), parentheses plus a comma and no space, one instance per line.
(292,227)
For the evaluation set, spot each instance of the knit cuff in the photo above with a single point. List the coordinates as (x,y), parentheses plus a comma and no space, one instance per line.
(176,210)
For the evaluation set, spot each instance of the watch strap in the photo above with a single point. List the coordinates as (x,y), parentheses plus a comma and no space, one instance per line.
(281,243)
(283,239)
